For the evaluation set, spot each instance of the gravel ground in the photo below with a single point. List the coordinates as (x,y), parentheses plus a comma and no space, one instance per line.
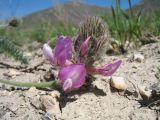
(97,101)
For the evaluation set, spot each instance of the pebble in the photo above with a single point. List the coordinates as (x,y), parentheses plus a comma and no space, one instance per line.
(50,104)
(138,57)
(144,92)
(118,83)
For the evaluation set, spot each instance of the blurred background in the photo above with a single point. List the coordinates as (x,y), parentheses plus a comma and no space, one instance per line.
(37,21)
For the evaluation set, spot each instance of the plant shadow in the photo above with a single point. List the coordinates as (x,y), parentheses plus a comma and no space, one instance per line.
(87,88)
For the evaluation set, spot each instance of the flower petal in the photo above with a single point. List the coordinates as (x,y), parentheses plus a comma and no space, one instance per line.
(110,69)
(47,52)
(84,47)
(67,85)
(75,72)
(63,50)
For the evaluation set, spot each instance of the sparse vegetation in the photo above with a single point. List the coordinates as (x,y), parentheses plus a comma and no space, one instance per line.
(154,23)
(125,26)
(7,46)
(15,36)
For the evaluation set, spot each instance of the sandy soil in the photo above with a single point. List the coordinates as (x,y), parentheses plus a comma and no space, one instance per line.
(97,101)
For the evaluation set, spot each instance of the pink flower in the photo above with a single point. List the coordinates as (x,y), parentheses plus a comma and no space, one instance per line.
(62,51)
(72,76)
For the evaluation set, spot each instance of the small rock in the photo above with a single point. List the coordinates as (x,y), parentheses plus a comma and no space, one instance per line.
(50,104)
(118,83)
(32,92)
(36,102)
(144,92)
(138,57)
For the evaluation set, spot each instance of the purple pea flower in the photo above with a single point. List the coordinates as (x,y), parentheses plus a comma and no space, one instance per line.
(62,51)
(72,76)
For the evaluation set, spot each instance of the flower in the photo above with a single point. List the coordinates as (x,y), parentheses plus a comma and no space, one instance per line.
(72,76)
(62,51)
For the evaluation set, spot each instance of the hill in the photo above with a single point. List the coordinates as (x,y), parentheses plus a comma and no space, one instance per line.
(148,6)
(71,13)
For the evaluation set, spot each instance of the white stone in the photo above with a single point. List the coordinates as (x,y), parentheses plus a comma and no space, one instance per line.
(118,83)
(138,57)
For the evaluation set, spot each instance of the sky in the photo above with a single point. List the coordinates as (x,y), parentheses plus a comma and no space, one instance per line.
(19,8)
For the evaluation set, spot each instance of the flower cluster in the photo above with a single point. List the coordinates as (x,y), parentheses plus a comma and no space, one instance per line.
(73,74)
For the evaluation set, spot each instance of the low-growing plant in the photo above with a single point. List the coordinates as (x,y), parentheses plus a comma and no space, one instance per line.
(72,71)
(16,35)
(7,46)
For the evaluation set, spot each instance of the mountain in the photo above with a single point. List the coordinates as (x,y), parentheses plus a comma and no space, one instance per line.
(148,6)
(72,13)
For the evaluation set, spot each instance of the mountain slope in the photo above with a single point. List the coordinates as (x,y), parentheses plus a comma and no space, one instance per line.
(148,6)
(71,13)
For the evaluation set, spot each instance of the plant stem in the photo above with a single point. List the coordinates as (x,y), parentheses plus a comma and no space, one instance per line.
(92,70)
(51,84)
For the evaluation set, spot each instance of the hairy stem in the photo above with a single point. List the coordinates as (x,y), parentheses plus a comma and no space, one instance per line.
(52,84)
(92,70)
